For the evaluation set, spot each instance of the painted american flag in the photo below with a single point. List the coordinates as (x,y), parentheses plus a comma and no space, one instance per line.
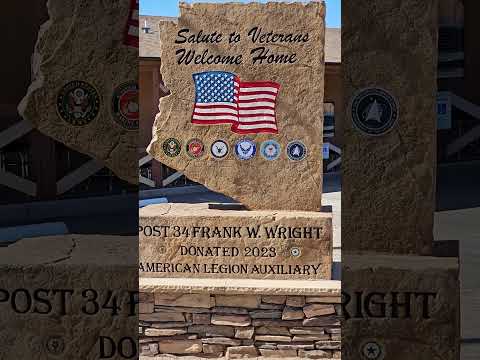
(222,98)
(131,37)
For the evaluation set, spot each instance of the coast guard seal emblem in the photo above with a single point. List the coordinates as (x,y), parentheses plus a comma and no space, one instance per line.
(219,149)
(245,149)
(270,150)
(172,147)
(125,105)
(78,103)
(195,148)
(374,111)
(296,150)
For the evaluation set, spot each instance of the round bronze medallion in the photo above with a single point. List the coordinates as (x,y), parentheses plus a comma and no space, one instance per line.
(172,147)
(78,103)
(125,105)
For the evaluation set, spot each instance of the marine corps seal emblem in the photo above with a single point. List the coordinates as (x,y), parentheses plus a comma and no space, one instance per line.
(125,108)
(172,147)
(78,103)
(374,111)
(245,149)
(195,148)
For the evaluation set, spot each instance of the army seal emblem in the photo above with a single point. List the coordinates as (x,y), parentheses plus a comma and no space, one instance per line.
(219,149)
(125,105)
(78,103)
(172,147)
(374,111)
(270,150)
(296,150)
(245,149)
(195,148)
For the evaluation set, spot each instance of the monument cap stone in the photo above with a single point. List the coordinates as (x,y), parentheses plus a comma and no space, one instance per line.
(245,112)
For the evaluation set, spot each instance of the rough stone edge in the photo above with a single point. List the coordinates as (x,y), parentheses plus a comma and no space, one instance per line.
(241,286)
(172,357)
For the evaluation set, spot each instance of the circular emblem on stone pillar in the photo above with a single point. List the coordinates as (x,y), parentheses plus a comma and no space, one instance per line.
(219,149)
(245,149)
(55,345)
(374,111)
(195,148)
(296,150)
(270,150)
(78,103)
(125,105)
(372,350)
(172,147)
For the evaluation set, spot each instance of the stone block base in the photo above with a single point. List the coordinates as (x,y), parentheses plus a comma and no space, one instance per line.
(191,240)
(232,319)
(400,307)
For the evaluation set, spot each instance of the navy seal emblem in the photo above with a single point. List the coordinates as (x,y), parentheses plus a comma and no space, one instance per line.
(219,149)
(374,111)
(296,150)
(171,147)
(270,150)
(78,103)
(245,149)
(125,105)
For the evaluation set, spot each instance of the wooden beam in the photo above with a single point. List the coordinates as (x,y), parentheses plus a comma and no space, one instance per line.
(18,183)
(78,175)
(14,132)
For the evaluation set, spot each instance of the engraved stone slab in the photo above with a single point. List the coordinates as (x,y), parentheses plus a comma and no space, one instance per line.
(84,91)
(245,113)
(389,163)
(186,240)
(67,301)
(400,307)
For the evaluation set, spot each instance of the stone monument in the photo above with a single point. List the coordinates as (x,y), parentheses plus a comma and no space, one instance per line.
(84,90)
(400,299)
(244,117)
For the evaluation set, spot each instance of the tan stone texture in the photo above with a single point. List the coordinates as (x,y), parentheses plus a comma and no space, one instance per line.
(65,262)
(388,187)
(180,346)
(231,320)
(318,310)
(188,300)
(257,183)
(429,332)
(83,41)
(297,254)
(238,352)
(252,301)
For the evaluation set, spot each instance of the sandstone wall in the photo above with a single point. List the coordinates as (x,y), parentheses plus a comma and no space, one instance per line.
(239,325)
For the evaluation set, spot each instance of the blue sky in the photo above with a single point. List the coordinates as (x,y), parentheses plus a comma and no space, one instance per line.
(170,8)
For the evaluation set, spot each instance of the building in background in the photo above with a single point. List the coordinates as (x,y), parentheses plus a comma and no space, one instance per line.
(154,174)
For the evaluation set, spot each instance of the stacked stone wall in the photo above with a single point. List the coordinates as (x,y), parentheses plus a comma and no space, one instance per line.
(239,326)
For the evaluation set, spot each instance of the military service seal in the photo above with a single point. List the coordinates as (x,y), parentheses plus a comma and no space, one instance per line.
(245,149)
(270,150)
(125,105)
(219,149)
(172,147)
(296,150)
(374,111)
(78,103)
(195,148)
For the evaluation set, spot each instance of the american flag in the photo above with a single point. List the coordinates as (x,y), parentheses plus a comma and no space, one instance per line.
(131,37)
(221,98)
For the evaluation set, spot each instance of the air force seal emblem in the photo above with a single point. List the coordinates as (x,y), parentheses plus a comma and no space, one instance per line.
(270,150)
(78,103)
(245,149)
(374,111)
